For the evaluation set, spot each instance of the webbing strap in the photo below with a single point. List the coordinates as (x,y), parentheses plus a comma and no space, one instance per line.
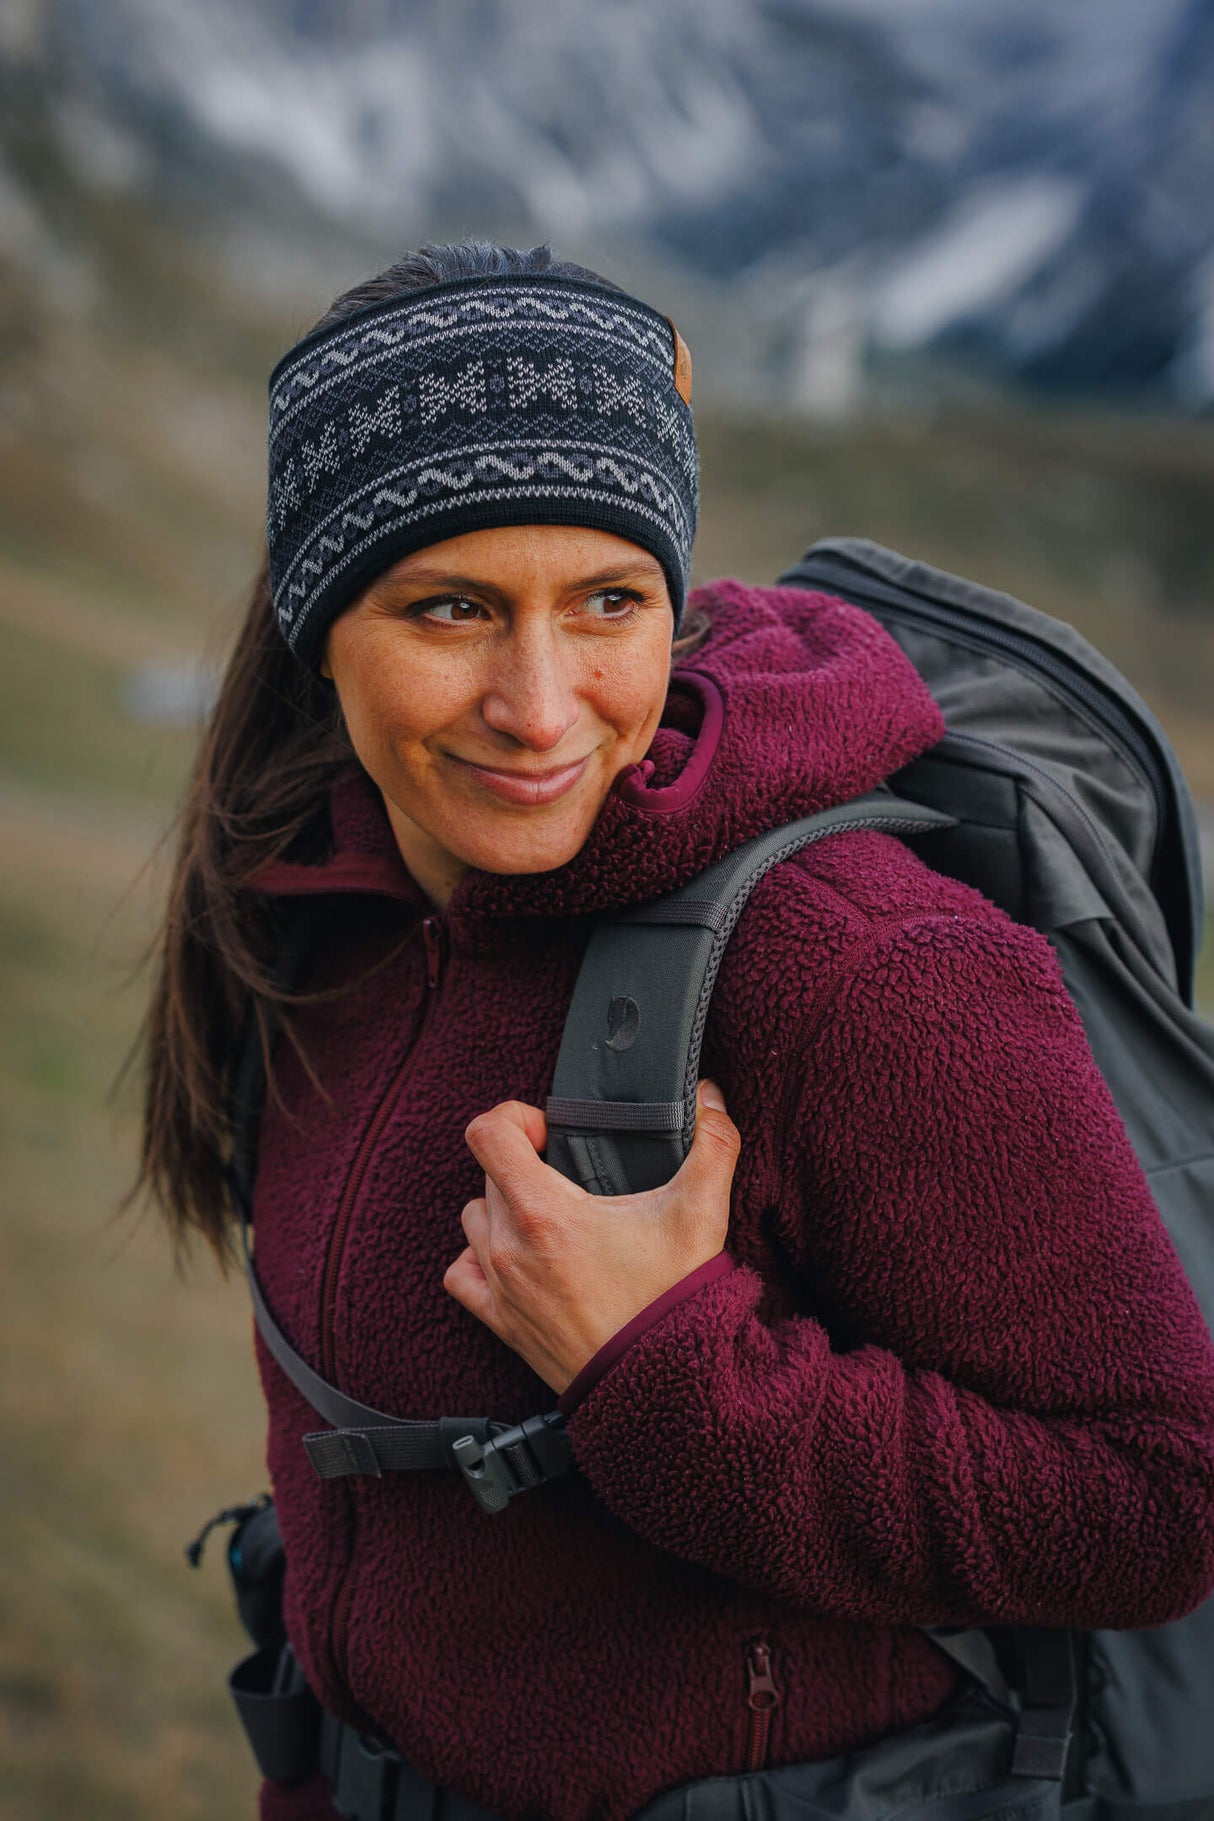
(405,1447)
(1043,1736)
(335,1407)
(497,1459)
(372,1782)
(617,1115)
(701,913)
(1046,1697)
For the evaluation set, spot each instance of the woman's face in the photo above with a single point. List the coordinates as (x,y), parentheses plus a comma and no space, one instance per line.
(495,685)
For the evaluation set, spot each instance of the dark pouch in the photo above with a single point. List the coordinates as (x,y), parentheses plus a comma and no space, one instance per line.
(256,1563)
(279,1713)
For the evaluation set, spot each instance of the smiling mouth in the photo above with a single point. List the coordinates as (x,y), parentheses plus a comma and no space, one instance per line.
(526,786)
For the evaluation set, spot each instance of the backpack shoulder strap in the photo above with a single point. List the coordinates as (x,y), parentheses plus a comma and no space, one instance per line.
(622,1110)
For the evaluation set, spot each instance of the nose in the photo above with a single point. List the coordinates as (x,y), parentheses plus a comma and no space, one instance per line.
(532,697)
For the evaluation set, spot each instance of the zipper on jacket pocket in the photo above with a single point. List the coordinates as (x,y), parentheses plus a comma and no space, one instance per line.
(762,1697)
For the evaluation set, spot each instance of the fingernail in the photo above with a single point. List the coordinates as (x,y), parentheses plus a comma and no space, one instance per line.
(711,1095)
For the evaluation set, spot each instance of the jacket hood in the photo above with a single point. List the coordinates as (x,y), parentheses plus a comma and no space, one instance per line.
(797,701)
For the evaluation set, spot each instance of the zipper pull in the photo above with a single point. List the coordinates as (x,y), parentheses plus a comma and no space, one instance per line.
(762,1697)
(432,937)
(762,1694)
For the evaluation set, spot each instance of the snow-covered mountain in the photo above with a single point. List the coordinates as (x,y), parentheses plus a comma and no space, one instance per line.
(834,184)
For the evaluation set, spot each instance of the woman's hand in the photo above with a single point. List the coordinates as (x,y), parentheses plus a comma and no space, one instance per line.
(554,1271)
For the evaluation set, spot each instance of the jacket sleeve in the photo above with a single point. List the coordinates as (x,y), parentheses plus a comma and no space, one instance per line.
(1011,1418)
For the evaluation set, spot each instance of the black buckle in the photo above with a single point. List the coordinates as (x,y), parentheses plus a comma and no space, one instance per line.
(514,1461)
(365,1780)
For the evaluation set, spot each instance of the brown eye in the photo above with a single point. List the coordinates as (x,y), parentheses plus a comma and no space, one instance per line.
(618,602)
(451,609)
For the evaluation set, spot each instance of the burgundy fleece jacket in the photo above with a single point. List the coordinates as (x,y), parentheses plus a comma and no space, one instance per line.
(947,1369)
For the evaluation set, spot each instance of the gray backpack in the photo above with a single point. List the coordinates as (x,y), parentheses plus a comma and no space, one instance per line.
(1056,794)
(1064,804)
(1073,816)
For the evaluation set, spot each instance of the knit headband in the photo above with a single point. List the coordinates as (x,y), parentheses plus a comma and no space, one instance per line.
(507,401)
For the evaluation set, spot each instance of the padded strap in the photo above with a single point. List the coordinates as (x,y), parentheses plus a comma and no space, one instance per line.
(693,912)
(622,1110)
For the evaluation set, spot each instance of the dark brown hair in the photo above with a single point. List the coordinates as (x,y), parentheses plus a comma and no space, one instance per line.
(273,748)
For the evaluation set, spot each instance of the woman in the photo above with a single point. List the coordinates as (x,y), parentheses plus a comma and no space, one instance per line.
(897,1347)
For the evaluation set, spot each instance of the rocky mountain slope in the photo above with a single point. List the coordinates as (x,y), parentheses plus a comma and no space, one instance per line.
(830,189)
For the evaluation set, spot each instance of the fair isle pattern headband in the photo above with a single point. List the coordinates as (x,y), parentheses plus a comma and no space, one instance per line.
(506,401)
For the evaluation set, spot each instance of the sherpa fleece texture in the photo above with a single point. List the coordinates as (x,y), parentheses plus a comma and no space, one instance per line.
(946,1371)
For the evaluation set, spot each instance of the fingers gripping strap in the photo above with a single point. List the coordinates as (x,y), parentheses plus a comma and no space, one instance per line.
(630,1055)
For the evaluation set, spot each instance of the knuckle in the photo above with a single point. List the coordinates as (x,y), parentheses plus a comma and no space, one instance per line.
(502,1257)
(530,1221)
(726,1134)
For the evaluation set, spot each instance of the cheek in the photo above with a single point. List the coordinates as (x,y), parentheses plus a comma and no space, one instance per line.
(393,702)
(632,695)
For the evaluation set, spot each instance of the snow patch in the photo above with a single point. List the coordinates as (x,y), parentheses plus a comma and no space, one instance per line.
(997,237)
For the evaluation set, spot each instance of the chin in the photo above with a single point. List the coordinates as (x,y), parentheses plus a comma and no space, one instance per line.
(525,860)
(525,852)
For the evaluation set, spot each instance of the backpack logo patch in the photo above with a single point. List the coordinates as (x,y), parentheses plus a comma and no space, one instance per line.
(623,1023)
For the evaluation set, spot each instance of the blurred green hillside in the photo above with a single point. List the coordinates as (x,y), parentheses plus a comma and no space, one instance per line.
(129,526)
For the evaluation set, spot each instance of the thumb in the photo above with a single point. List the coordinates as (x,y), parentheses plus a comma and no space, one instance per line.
(714,1149)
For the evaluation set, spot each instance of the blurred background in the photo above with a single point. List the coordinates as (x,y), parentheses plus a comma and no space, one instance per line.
(947,272)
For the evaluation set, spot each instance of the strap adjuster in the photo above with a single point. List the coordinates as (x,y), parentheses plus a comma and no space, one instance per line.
(514,1461)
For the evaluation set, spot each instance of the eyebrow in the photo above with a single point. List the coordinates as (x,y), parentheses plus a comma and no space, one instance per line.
(442,578)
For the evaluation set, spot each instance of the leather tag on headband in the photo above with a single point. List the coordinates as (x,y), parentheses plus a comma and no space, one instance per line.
(682,364)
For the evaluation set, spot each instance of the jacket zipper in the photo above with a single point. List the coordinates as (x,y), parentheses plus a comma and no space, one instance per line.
(432,937)
(434,942)
(762,1698)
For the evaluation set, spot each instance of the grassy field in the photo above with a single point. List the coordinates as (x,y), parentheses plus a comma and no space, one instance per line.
(128,1409)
